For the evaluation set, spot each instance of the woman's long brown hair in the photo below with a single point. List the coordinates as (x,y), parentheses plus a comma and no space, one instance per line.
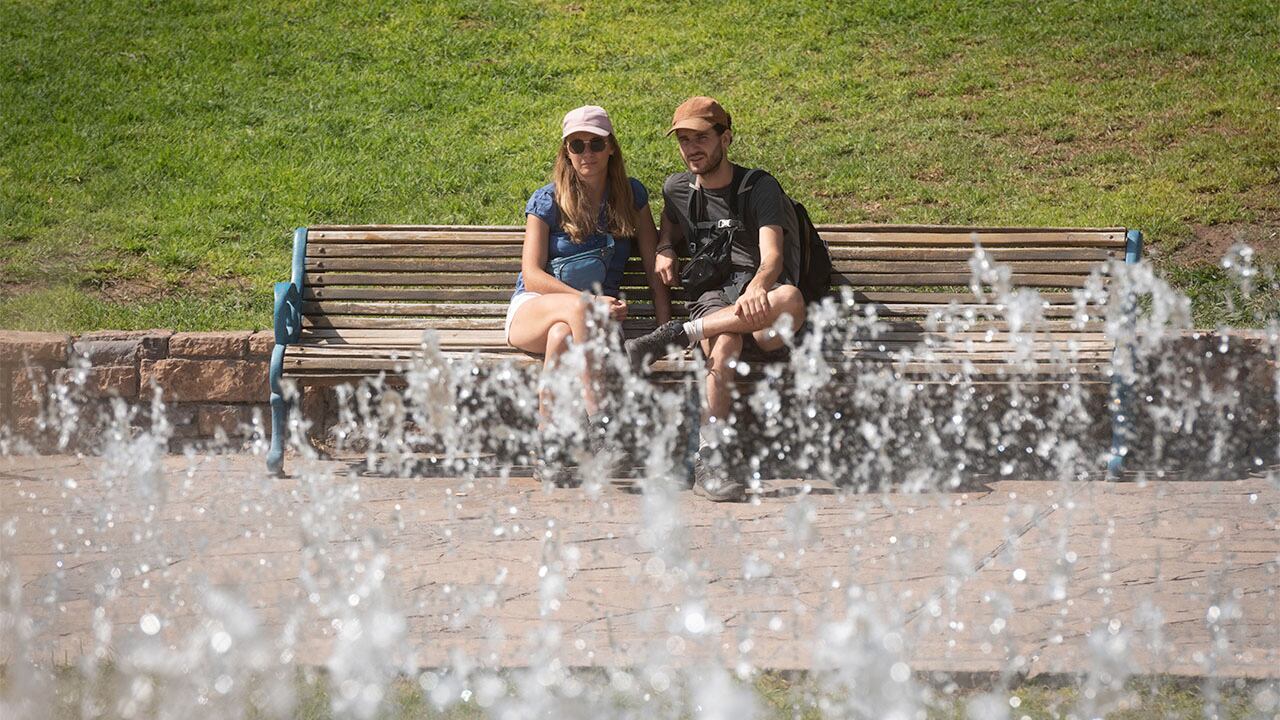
(576,216)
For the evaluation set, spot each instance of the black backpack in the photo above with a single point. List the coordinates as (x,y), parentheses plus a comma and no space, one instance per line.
(814,265)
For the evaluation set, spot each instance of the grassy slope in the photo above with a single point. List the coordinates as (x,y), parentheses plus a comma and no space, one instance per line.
(154,156)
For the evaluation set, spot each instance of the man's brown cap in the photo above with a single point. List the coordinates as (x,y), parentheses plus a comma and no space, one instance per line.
(699,113)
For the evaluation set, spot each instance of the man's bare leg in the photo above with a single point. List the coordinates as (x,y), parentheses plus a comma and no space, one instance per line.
(783,300)
(722,352)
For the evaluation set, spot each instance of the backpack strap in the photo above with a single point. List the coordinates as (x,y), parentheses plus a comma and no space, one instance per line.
(746,181)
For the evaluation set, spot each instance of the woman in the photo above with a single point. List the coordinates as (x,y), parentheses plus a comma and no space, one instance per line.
(578,235)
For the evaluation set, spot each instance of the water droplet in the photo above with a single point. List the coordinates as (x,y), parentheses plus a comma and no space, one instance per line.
(220,642)
(149,623)
(694,621)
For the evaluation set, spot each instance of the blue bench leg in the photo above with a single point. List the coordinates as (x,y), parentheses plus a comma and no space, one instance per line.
(1121,425)
(1121,389)
(279,414)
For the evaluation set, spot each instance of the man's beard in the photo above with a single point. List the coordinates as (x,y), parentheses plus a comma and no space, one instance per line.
(714,161)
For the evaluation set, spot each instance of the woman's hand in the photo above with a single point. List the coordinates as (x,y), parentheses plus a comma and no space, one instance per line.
(667,267)
(617,309)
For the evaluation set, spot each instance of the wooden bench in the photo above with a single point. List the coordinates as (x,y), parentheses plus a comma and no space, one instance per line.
(361,297)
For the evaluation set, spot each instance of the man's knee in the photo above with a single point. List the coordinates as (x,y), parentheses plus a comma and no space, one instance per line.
(789,298)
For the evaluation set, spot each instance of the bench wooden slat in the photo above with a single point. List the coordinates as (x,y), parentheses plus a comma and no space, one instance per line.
(901,348)
(338,250)
(425,278)
(497,305)
(632,324)
(447,294)
(1085,369)
(508,279)
(991,350)
(412,338)
(938,279)
(835,237)
(503,294)
(838,252)
(635,308)
(490,236)
(491,264)
(925,297)
(935,239)
(491,339)
(1001,254)
(399,265)
(923,310)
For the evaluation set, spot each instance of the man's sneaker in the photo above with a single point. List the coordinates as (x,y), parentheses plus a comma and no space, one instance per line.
(645,349)
(716,486)
(552,466)
(549,474)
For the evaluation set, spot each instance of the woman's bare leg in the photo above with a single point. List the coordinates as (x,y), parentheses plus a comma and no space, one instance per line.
(533,330)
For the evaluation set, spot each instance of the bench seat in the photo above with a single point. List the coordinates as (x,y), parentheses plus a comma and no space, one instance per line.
(361,297)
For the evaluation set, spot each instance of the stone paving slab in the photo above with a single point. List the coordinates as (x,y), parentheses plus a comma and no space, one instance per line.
(1031,577)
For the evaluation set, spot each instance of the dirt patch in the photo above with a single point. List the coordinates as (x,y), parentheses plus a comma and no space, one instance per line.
(1211,243)
(136,290)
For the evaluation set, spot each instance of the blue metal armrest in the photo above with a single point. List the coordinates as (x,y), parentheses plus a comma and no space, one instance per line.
(287,315)
(287,319)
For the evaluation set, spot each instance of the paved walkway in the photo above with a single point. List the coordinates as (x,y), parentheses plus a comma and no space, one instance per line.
(1033,577)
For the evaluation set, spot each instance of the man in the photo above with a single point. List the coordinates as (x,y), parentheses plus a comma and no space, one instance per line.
(759,288)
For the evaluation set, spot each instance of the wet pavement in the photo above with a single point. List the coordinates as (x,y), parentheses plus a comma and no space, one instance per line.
(1020,576)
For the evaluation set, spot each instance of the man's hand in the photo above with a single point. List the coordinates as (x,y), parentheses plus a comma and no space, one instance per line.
(667,267)
(753,305)
(616,308)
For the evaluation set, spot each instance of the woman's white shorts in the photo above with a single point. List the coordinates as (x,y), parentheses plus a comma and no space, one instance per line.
(517,300)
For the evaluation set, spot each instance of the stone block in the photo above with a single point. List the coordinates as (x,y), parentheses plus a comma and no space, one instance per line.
(107,381)
(262,343)
(151,344)
(20,347)
(231,418)
(184,419)
(220,381)
(30,384)
(107,352)
(209,345)
(6,394)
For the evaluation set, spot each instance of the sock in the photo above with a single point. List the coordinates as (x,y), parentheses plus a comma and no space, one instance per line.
(693,329)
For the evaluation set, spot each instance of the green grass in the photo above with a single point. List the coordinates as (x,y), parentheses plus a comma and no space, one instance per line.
(155,156)
(788,696)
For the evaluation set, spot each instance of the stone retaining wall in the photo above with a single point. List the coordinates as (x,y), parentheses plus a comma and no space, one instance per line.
(214,386)
(210,382)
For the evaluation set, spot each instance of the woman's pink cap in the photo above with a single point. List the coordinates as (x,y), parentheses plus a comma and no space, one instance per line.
(588,118)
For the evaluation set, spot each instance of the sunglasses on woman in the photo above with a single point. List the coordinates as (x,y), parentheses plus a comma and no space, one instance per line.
(578,145)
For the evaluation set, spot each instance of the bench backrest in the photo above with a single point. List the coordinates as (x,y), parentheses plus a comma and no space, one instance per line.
(384,284)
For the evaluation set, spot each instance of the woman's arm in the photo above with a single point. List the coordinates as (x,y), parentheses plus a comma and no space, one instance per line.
(647,239)
(533,259)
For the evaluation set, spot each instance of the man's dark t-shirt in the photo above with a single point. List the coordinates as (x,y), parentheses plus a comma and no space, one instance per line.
(765,204)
